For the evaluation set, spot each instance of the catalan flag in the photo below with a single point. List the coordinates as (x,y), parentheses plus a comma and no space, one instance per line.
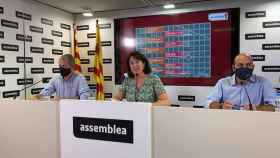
(76,52)
(98,66)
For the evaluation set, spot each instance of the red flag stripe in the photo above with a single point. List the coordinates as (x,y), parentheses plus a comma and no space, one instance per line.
(98,67)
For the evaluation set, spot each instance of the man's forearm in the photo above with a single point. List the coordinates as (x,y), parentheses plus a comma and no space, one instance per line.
(215,105)
(265,107)
(36,97)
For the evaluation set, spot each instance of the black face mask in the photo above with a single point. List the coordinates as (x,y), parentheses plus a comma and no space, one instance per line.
(64,71)
(243,73)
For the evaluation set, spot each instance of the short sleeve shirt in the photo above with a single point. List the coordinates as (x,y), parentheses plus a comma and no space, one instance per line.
(149,92)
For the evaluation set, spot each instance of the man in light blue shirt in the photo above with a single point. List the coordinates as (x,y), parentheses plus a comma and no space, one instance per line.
(243,90)
(69,84)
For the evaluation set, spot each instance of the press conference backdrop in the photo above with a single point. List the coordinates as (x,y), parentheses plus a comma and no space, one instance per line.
(86,34)
(33,33)
(40,34)
(253,35)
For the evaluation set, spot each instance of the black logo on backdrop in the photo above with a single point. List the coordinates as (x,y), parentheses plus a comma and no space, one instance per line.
(87,78)
(10,70)
(46,79)
(47,41)
(56,70)
(186,98)
(252,36)
(90,69)
(83,27)
(8,94)
(106,43)
(104,26)
(108,95)
(65,26)
(84,61)
(91,52)
(57,33)
(24,59)
(103,129)
(83,44)
(271,24)
(37,50)
(91,35)
(26,38)
(36,90)
(107,78)
(2,59)
(2,83)
(65,44)
(57,51)
(46,21)
(36,29)
(37,70)
(92,86)
(47,60)
(24,16)
(10,24)
(9,47)
(1,34)
(271,46)
(258,57)
(256,14)
(107,61)
(25,81)
(271,68)
(1,10)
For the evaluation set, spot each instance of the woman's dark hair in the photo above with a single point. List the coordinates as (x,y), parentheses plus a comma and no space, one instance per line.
(141,57)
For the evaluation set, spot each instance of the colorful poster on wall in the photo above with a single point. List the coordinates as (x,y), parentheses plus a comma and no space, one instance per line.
(177,50)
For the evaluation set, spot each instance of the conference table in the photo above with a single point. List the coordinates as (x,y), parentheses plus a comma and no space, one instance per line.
(103,129)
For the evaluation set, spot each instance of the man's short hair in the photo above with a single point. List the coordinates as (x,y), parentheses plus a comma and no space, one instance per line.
(70,59)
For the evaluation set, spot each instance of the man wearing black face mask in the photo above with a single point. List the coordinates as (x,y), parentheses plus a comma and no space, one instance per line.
(69,84)
(243,90)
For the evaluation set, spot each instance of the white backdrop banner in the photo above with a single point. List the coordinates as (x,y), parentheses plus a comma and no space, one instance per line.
(105,129)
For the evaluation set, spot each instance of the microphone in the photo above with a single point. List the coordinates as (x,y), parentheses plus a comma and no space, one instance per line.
(27,87)
(250,103)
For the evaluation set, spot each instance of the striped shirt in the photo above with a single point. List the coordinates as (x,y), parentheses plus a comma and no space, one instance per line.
(75,87)
(259,90)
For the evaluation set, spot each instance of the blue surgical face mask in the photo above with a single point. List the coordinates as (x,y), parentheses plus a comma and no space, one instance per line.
(243,73)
